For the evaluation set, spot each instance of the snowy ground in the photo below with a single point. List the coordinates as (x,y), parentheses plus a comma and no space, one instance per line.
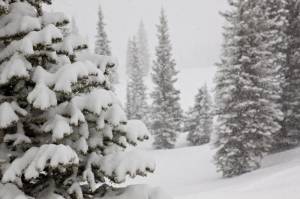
(188,173)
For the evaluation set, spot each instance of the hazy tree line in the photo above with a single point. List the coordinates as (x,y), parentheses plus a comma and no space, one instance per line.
(257,92)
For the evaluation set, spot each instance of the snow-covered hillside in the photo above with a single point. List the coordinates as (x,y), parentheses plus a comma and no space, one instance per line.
(189,173)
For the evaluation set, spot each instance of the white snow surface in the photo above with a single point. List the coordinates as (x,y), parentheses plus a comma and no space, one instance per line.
(189,173)
(10,191)
(138,192)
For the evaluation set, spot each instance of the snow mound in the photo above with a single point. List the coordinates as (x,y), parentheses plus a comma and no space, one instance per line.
(11,191)
(189,173)
(138,192)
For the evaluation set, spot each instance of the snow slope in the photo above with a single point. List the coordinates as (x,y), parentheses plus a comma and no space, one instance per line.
(188,173)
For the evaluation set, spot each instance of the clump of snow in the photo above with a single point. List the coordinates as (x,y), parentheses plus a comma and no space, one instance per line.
(20,24)
(25,46)
(59,126)
(138,192)
(42,97)
(17,66)
(118,165)
(8,114)
(71,43)
(69,74)
(53,18)
(66,76)
(136,131)
(35,160)
(44,36)
(101,61)
(115,115)
(95,102)
(17,11)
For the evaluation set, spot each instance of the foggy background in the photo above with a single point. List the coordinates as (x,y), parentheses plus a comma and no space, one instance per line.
(195,30)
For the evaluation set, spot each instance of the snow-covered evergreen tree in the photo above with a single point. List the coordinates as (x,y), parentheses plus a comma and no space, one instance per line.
(102,46)
(290,135)
(63,131)
(166,111)
(144,56)
(247,90)
(136,90)
(199,123)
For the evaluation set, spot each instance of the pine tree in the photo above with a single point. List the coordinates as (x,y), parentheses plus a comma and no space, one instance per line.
(166,111)
(102,43)
(199,124)
(144,55)
(247,90)
(102,47)
(136,96)
(63,131)
(290,135)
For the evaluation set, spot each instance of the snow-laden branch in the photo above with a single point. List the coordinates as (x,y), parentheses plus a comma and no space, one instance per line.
(35,161)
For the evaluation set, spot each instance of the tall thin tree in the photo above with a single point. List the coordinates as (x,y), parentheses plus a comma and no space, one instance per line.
(166,111)
(136,89)
(102,46)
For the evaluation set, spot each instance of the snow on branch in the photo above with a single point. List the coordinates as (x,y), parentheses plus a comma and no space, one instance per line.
(22,24)
(136,131)
(95,102)
(101,61)
(35,160)
(67,75)
(8,114)
(55,18)
(59,126)
(47,35)
(19,137)
(17,66)
(72,43)
(117,166)
(42,97)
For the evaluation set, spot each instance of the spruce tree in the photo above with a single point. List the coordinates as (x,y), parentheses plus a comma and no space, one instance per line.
(142,42)
(199,124)
(102,47)
(136,96)
(166,111)
(63,131)
(102,43)
(247,90)
(290,134)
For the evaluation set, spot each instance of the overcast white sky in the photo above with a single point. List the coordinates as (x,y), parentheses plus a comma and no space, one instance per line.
(195,28)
